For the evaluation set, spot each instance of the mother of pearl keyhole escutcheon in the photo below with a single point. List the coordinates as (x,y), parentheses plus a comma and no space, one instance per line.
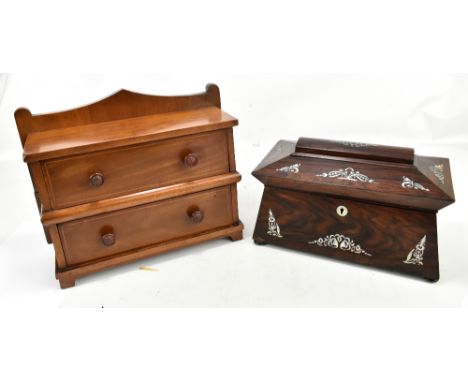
(342,211)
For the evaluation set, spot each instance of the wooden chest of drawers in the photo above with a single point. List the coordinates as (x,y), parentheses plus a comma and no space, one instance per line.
(131,176)
(367,204)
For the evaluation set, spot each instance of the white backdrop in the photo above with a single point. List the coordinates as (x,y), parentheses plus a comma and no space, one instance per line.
(429,113)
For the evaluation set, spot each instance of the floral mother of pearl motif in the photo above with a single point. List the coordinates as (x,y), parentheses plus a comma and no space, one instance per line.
(417,253)
(355,144)
(438,170)
(408,183)
(273,227)
(294,168)
(347,174)
(341,242)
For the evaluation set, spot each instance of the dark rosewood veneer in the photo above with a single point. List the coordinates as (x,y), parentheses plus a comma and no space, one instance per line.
(363,203)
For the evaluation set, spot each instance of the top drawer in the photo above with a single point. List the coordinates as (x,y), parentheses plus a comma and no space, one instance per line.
(91,177)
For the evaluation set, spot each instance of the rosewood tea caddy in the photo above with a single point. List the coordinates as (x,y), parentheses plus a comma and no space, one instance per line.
(363,203)
(131,176)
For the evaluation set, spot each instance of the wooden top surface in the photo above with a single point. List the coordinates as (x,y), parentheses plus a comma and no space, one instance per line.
(348,149)
(390,182)
(98,136)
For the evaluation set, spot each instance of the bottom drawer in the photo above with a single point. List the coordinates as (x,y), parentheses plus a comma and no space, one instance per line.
(112,233)
(393,238)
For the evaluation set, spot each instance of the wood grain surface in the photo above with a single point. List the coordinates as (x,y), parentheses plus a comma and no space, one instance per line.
(355,150)
(57,143)
(387,233)
(385,187)
(144,225)
(135,168)
(121,105)
(131,200)
(131,176)
(67,276)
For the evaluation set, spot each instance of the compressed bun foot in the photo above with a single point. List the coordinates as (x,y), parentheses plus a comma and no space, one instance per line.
(259,241)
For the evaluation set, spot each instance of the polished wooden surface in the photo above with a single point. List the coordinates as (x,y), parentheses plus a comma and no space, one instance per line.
(135,168)
(355,150)
(387,233)
(136,227)
(119,106)
(68,276)
(424,166)
(304,193)
(105,135)
(130,200)
(131,176)
(385,189)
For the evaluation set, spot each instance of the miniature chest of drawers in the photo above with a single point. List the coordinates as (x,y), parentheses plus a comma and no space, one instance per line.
(131,176)
(363,203)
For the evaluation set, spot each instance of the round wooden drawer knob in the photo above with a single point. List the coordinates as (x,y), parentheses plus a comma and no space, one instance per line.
(196,216)
(190,160)
(96,179)
(108,239)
